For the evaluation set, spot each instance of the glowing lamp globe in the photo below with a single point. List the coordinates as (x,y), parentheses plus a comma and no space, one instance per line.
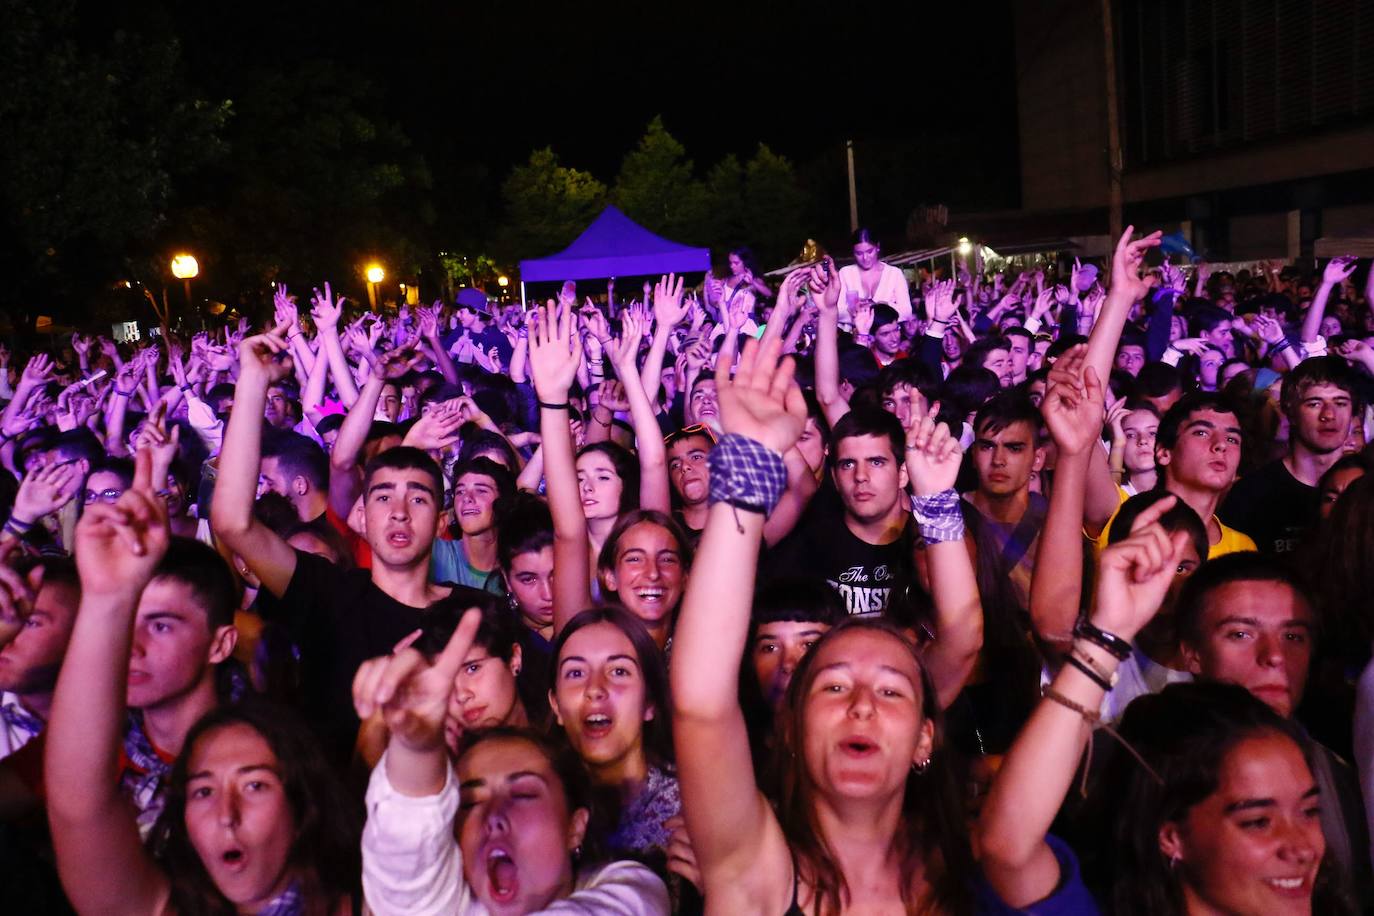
(184,267)
(375,274)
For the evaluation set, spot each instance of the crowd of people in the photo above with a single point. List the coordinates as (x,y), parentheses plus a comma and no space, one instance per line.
(961,592)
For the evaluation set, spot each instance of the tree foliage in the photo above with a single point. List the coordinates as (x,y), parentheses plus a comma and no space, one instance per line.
(657,188)
(93,138)
(547,206)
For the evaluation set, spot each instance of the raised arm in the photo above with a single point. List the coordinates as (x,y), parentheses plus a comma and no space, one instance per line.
(668,311)
(653,461)
(1127,288)
(100,858)
(429,330)
(932,463)
(739,846)
(554,357)
(1073,415)
(1336,272)
(1133,577)
(825,288)
(326,312)
(231,517)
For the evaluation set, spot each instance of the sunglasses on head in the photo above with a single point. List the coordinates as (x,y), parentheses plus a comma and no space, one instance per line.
(696,429)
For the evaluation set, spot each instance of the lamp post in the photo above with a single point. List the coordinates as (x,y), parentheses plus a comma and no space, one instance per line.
(375,275)
(184,268)
(503,281)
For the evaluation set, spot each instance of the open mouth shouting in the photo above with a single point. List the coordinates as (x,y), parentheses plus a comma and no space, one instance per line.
(858,747)
(597,725)
(503,878)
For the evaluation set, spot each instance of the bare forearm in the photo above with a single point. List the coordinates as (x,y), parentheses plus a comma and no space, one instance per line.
(713,626)
(1312,323)
(1058,579)
(236,485)
(338,365)
(651,375)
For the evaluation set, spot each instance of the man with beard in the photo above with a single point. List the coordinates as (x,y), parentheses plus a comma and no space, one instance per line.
(1277,504)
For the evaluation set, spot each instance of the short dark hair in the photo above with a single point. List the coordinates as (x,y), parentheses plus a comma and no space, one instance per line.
(298,456)
(1011,405)
(499,473)
(1320,370)
(1157,380)
(910,371)
(868,421)
(1179,517)
(797,598)
(1186,406)
(498,632)
(524,525)
(978,352)
(478,443)
(405,458)
(1207,316)
(79,444)
(1242,566)
(967,388)
(883,315)
(204,572)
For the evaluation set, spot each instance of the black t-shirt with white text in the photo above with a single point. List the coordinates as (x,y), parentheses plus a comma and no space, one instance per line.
(1273,507)
(822,545)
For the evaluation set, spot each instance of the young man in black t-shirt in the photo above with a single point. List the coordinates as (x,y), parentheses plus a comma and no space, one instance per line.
(864,550)
(1277,504)
(338,619)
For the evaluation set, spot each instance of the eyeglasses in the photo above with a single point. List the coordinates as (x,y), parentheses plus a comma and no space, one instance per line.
(104,496)
(696,429)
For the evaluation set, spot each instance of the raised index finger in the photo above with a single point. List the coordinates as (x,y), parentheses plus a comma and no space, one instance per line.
(451,659)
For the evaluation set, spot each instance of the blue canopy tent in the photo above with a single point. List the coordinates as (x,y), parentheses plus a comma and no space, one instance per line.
(614,246)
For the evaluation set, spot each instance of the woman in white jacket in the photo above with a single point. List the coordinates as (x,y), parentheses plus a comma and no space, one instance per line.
(521,820)
(869,280)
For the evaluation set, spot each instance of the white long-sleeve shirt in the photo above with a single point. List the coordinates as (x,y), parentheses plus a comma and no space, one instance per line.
(892,289)
(412,864)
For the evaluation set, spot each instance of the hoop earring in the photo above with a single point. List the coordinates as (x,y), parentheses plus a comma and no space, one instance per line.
(920,768)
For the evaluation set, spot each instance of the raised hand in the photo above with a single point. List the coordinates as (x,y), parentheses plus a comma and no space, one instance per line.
(612,396)
(1194,345)
(863,317)
(1171,277)
(1135,573)
(161,445)
(1268,330)
(668,307)
(258,355)
(438,428)
(325,310)
(761,402)
(1127,261)
(38,371)
(429,321)
(625,353)
(824,283)
(44,491)
(410,691)
(397,362)
(284,309)
(1073,403)
(940,305)
(118,546)
(554,354)
(1338,270)
(932,454)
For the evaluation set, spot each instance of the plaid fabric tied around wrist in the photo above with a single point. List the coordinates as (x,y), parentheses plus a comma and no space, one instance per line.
(938,516)
(746,474)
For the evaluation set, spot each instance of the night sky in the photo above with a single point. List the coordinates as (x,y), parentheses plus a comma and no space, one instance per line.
(476,87)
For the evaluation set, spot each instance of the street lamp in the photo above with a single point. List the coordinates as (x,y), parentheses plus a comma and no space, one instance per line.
(965,246)
(503,281)
(184,267)
(375,275)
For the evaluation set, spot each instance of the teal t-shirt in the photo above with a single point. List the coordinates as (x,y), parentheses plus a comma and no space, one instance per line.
(449,563)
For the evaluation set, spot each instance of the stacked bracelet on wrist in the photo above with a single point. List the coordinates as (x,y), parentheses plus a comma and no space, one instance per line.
(17,528)
(1108,642)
